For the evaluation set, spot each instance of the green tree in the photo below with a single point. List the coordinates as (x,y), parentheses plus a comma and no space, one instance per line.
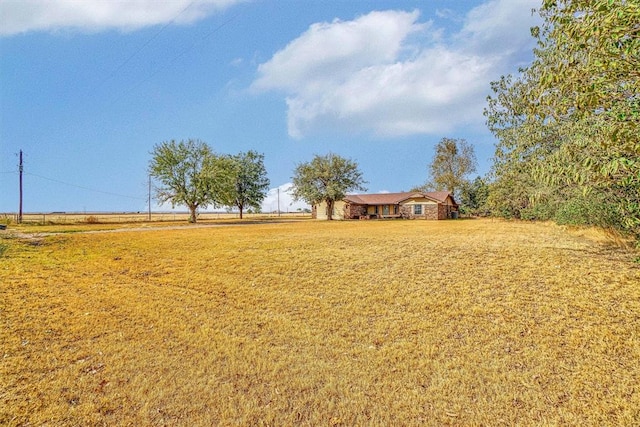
(453,161)
(567,125)
(190,174)
(250,181)
(586,78)
(473,196)
(588,63)
(524,146)
(326,179)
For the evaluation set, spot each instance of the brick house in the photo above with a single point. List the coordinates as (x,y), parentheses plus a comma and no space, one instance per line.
(413,205)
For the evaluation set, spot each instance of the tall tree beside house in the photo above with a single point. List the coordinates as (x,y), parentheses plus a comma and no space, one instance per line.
(454,160)
(250,181)
(326,179)
(190,174)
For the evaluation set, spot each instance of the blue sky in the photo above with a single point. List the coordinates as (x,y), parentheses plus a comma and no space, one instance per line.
(87,88)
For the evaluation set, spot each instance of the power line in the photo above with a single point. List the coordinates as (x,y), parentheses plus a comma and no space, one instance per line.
(85,188)
(145,44)
(185,51)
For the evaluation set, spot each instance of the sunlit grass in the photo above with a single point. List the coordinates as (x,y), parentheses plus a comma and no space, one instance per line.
(132,219)
(473,322)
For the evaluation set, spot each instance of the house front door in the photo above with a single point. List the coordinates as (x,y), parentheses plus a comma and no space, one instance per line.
(385,210)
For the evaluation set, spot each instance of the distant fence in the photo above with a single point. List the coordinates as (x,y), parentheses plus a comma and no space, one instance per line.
(124,217)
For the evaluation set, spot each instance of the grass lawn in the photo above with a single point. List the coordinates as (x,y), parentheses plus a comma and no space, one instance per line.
(470,322)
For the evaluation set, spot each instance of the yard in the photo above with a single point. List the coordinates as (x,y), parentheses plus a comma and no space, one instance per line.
(469,322)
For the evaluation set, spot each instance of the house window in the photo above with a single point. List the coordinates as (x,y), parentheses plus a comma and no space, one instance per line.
(417,209)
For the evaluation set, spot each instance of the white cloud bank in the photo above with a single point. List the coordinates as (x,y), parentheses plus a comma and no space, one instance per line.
(387,74)
(19,16)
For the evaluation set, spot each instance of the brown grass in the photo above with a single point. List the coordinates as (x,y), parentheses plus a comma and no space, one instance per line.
(473,322)
(137,217)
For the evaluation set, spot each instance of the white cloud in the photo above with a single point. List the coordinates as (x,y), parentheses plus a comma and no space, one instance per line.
(448,14)
(329,52)
(236,62)
(498,26)
(386,73)
(282,199)
(20,16)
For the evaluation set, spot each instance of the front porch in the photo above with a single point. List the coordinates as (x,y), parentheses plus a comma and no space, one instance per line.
(357,211)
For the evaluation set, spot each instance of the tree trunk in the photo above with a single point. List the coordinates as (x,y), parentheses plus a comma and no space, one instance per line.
(330,204)
(240,208)
(192,214)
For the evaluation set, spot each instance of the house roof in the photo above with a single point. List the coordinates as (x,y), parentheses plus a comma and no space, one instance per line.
(396,198)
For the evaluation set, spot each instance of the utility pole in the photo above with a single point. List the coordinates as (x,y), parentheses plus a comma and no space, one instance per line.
(149,198)
(20,169)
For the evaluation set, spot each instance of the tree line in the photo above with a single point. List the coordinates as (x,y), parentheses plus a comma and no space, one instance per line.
(189,173)
(567,125)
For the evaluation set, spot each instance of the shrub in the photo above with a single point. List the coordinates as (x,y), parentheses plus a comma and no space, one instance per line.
(588,210)
(541,211)
(91,220)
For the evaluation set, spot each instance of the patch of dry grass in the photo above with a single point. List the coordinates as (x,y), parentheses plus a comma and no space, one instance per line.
(473,322)
(57,218)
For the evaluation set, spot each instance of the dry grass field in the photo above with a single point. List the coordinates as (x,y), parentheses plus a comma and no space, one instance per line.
(470,322)
(52,218)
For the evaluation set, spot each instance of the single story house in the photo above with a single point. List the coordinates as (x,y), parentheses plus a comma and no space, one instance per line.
(412,205)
